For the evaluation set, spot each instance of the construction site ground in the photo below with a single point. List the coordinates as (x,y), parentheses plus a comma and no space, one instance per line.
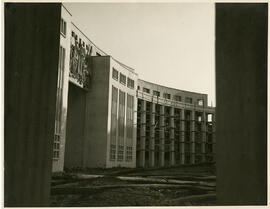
(174,186)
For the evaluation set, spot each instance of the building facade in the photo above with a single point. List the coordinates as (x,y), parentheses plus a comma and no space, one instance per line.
(100,130)
(107,117)
(174,127)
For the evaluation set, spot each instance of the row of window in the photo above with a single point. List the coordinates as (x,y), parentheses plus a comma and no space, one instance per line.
(123,79)
(118,126)
(168,96)
(120,153)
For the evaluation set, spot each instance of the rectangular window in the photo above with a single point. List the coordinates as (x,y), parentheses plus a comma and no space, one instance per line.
(200,102)
(121,125)
(177,98)
(130,83)
(123,79)
(63,27)
(113,123)
(120,153)
(188,100)
(209,117)
(156,93)
(112,152)
(146,90)
(166,96)
(128,154)
(56,146)
(115,74)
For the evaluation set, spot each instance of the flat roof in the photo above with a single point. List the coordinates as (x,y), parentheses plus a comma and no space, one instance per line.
(122,65)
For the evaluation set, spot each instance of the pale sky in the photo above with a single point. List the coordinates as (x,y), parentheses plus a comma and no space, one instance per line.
(172,44)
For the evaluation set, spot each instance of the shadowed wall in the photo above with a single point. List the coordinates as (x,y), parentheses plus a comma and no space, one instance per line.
(75,127)
(31,65)
(96,114)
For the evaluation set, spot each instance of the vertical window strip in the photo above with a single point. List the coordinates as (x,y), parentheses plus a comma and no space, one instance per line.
(121,124)
(58,113)
(63,26)
(129,122)
(113,123)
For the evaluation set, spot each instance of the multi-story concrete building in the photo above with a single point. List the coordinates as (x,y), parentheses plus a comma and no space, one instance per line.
(96,121)
(173,127)
(96,101)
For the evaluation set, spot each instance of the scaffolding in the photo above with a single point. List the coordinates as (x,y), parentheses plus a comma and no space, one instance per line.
(178,135)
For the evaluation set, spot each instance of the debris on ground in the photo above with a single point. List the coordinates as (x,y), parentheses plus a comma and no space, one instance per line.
(176,186)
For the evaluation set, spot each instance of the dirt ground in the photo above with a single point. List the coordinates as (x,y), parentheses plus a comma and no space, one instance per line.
(177,186)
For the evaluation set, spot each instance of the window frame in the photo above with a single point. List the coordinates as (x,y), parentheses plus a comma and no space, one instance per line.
(146,90)
(178,98)
(166,96)
(56,146)
(130,83)
(63,27)
(198,102)
(113,71)
(154,93)
(190,100)
(120,79)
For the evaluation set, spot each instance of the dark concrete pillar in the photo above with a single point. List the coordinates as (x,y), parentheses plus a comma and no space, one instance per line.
(241,112)
(31,72)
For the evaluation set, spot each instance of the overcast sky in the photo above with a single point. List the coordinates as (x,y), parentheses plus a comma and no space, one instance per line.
(171,44)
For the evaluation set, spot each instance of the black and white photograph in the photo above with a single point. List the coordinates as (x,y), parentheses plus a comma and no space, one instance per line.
(134,103)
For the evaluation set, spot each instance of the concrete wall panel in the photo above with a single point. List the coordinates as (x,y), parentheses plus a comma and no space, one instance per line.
(97,114)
